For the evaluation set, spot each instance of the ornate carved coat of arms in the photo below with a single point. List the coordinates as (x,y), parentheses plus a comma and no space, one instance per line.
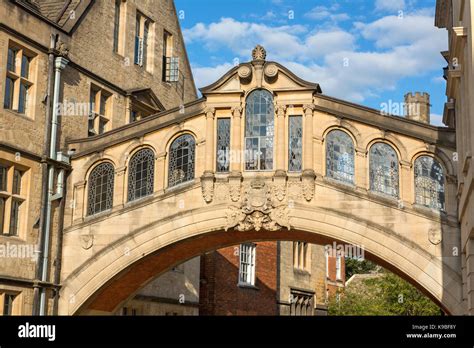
(257,210)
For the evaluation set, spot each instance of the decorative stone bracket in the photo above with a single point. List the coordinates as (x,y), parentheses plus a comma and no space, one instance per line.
(207,186)
(307,181)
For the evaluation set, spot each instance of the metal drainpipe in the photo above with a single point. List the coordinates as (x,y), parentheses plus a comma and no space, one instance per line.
(44,169)
(59,64)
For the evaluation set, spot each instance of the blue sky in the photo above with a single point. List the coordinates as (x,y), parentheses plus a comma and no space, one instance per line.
(365,51)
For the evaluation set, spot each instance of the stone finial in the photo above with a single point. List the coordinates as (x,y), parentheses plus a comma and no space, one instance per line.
(259,53)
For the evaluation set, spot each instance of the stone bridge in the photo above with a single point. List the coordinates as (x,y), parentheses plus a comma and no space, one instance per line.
(131,217)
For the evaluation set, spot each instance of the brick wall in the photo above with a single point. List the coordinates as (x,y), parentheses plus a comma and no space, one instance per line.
(219,292)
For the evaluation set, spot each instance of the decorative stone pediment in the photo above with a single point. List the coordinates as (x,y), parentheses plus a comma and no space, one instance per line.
(259,73)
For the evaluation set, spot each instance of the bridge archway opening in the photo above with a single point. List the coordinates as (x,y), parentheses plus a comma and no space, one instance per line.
(122,287)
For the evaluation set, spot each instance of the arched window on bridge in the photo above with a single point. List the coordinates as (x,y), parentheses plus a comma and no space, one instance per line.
(383,167)
(429,183)
(340,156)
(259,130)
(141,174)
(181,161)
(101,188)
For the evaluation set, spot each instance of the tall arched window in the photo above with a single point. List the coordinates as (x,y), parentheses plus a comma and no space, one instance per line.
(101,188)
(429,183)
(383,169)
(181,162)
(259,130)
(141,174)
(340,156)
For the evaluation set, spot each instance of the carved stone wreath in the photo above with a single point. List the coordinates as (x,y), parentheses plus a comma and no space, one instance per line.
(257,210)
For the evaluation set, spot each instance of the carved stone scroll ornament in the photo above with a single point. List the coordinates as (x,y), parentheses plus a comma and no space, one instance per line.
(257,211)
(279,185)
(235,183)
(207,186)
(245,73)
(307,182)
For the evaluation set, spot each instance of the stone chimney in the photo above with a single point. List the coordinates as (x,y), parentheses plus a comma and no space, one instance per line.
(417,107)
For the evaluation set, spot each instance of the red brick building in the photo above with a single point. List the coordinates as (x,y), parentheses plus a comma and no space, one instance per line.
(268,278)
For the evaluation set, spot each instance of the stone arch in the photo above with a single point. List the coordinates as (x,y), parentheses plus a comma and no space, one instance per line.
(135,146)
(174,132)
(94,160)
(160,245)
(389,139)
(345,126)
(439,155)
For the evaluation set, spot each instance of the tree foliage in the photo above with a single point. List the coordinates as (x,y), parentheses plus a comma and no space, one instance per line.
(384,294)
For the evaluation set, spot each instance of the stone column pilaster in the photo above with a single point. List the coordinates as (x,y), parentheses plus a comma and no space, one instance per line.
(280,137)
(237,154)
(209,162)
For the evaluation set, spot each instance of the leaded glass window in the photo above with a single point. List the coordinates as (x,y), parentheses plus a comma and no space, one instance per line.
(181,162)
(383,169)
(141,174)
(340,156)
(101,188)
(259,131)
(429,183)
(223,144)
(295,148)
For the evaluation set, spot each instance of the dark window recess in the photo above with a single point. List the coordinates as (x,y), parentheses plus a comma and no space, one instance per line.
(8,304)
(3,178)
(14,216)
(11,64)
(17,182)
(8,101)
(116,25)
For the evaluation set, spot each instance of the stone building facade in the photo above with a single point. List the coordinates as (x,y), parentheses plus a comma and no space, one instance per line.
(108,64)
(458,18)
(286,278)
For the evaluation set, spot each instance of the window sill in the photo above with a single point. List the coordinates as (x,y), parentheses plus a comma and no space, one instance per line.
(180,186)
(247,286)
(97,215)
(427,210)
(301,271)
(17,114)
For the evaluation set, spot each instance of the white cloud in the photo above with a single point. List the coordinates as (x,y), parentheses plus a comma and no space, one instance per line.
(437,120)
(204,76)
(391,31)
(319,13)
(389,5)
(281,42)
(404,48)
